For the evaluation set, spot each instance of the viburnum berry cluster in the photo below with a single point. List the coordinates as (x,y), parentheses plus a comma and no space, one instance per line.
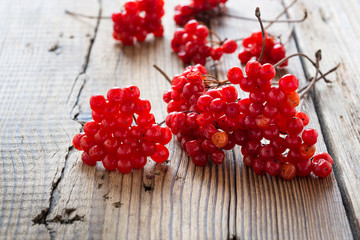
(195,9)
(274,50)
(203,119)
(140,18)
(191,44)
(272,136)
(116,137)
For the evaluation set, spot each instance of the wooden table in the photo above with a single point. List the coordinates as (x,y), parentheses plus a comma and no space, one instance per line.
(51,63)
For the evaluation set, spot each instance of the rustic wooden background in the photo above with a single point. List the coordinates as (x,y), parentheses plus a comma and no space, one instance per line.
(51,63)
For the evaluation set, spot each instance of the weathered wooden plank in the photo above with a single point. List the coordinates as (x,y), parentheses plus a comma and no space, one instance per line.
(265,207)
(220,202)
(41,53)
(187,202)
(337,104)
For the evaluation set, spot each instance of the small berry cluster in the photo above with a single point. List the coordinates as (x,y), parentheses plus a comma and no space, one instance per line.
(113,138)
(140,18)
(273,138)
(274,51)
(203,118)
(195,9)
(191,44)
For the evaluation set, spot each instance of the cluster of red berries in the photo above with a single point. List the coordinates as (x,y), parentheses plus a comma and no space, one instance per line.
(203,119)
(194,9)
(140,18)
(113,138)
(274,51)
(273,138)
(191,44)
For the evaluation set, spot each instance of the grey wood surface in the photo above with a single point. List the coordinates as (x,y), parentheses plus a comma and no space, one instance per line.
(50,65)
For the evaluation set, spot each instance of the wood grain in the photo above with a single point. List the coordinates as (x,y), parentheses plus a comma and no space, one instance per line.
(337,34)
(42,52)
(49,194)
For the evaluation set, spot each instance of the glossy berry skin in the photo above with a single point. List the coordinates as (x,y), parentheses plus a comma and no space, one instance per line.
(235,75)
(191,44)
(217,157)
(115,140)
(252,47)
(322,168)
(194,9)
(310,136)
(76,141)
(288,171)
(288,83)
(85,157)
(324,156)
(273,168)
(138,19)
(303,168)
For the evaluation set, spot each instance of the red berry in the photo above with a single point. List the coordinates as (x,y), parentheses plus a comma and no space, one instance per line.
(322,168)
(161,154)
(324,156)
(76,141)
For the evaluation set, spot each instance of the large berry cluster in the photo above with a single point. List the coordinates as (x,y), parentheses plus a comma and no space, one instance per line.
(191,44)
(113,138)
(204,119)
(140,18)
(273,138)
(195,9)
(274,51)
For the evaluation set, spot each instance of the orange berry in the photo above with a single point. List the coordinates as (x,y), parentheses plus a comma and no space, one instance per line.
(292,99)
(220,139)
(307,151)
(288,171)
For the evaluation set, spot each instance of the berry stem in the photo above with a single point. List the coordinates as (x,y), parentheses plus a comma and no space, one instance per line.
(162,73)
(312,83)
(161,123)
(285,11)
(258,15)
(321,77)
(85,16)
(134,118)
(300,55)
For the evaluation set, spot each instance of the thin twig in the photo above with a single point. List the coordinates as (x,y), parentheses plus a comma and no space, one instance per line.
(258,15)
(309,86)
(162,73)
(86,16)
(321,77)
(299,55)
(281,14)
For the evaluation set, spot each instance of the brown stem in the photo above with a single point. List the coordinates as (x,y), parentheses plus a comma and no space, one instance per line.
(134,118)
(86,16)
(162,73)
(321,77)
(258,15)
(308,88)
(281,14)
(300,55)
(161,123)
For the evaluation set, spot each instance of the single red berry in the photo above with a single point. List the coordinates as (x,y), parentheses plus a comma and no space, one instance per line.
(161,153)
(76,141)
(235,75)
(324,156)
(322,168)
